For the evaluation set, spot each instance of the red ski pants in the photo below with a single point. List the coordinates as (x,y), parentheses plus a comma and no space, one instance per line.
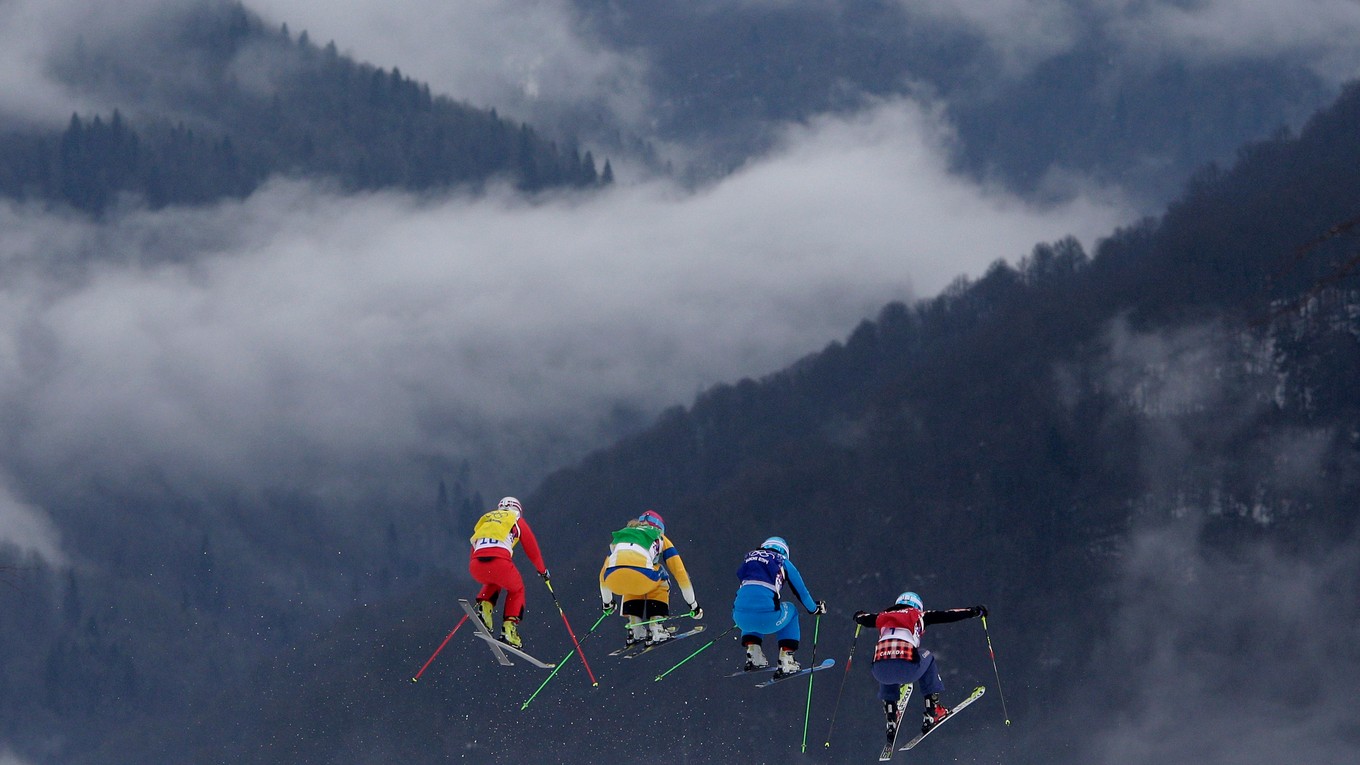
(496,574)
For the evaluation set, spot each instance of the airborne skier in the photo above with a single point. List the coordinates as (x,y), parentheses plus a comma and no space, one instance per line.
(899,658)
(758,611)
(634,570)
(493,544)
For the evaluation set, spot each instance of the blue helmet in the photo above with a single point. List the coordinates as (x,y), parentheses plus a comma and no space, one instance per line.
(777,544)
(910,599)
(654,518)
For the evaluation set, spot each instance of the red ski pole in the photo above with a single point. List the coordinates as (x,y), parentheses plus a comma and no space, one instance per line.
(577,643)
(430,660)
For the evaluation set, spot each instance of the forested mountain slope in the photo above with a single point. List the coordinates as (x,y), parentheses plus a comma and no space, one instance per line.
(1036,90)
(215,104)
(1127,456)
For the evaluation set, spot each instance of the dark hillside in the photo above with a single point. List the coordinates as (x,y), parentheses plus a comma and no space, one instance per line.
(217,104)
(1121,455)
(728,74)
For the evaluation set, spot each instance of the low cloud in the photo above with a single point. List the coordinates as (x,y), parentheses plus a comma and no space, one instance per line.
(299,335)
(1319,34)
(532,59)
(35,33)
(1224,657)
(27,529)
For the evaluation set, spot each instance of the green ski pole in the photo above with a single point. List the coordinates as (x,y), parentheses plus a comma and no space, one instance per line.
(696,653)
(563,662)
(816,630)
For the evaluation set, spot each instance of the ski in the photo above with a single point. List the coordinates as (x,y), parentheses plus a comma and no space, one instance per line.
(903,697)
(778,678)
(635,647)
(483,632)
(501,645)
(740,672)
(646,648)
(976,694)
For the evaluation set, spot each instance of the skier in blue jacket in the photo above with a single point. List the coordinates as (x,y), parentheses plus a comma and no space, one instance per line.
(758,611)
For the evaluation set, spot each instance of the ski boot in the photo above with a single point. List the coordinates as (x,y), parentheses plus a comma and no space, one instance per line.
(787,664)
(890,711)
(755,658)
(510,633)
(657,634)
(934,712)
(486,611)
(636,632)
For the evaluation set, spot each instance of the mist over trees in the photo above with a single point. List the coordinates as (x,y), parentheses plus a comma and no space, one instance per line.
(253,103)
(1070,96)
(1129,454)
(1153,433)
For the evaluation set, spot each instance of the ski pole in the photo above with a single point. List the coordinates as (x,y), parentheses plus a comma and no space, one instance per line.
(816,630)
(853,642)
(593,681)
(1004,713)
(696,653)
(563,661)
(447,638)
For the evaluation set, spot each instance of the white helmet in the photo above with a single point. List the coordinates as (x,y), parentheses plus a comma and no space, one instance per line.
(510,503)
(910,599)
(777,544)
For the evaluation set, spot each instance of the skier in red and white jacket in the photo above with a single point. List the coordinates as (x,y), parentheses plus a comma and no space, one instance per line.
(899,658)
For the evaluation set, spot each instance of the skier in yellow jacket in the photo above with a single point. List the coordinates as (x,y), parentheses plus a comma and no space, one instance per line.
(634,570)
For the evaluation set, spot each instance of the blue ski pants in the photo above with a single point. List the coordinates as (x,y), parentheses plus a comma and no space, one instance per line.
(782,623)
(892,674)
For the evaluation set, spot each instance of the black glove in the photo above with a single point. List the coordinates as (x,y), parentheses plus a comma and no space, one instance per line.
(695,612)
(608,607)
(979,610)
(860,615)
(545,575)
(821,607)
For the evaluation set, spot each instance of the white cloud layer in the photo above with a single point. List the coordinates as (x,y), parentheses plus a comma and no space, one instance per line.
(33,32)
(1320,33)
(527,58)
(299,332)
(28,529)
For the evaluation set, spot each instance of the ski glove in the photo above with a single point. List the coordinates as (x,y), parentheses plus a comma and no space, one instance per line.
(821,607)
(696,612)
(545,575)
(608,607)
(979,610)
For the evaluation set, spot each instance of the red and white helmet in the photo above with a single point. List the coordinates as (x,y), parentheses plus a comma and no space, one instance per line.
(510,503)
(654,518)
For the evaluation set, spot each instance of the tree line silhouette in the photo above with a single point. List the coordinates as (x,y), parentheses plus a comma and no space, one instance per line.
(324,116)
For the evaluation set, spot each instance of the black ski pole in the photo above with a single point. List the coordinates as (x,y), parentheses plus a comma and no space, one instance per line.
(1004,713)
(853,642)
